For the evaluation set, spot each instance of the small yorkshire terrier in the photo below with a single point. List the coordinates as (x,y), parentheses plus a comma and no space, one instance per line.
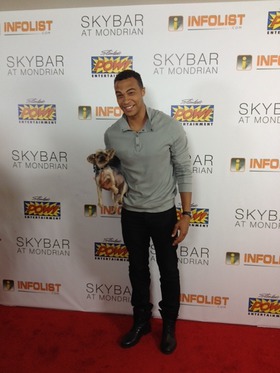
(108,175)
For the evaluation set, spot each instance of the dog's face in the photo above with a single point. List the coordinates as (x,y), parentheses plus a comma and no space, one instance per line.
(101,157)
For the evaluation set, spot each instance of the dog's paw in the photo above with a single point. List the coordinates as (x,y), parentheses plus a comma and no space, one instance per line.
(115,190)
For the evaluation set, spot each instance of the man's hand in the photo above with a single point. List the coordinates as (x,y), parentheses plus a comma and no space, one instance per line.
(181,228)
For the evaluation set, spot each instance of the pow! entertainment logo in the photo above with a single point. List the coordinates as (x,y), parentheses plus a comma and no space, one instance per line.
(37,113)
(110,251)
(200,216)
(109,66)
(42,210)
(273,22)
(193,115)
(269,307)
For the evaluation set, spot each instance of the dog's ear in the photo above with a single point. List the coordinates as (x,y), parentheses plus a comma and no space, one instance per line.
(110,153)
(91,158)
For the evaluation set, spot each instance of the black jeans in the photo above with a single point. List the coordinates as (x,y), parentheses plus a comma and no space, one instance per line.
(137,229)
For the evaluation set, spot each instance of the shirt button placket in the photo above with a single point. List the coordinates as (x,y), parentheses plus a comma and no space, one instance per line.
(137,142)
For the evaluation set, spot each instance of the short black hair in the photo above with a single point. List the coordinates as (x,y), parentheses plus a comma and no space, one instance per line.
(126,74)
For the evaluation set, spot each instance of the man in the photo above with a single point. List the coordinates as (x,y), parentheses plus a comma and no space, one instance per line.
(153,150)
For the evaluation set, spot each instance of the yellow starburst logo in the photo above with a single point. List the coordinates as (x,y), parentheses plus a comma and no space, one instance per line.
(37,112)
(273,20)
(110,65)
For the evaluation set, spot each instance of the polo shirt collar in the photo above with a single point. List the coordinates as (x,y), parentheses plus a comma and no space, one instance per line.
(148,127)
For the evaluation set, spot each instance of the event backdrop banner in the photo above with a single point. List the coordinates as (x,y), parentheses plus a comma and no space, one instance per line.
(215,68)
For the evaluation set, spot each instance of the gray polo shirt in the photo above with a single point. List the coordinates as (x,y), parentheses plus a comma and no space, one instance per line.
(153,161)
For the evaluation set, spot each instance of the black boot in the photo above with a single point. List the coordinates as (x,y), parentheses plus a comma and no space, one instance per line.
(141,326)
(168,340)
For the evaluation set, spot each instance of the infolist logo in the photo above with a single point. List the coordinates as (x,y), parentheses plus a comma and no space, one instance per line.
(8,285)
(84,112)
(244,62)
(27,27)
(90,210)
(237,164)
(233,258)
(175,23)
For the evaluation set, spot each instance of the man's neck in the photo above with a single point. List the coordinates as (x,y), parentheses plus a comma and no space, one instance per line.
(136,123)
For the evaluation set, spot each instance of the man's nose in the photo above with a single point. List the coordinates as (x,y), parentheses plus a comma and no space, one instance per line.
(125,98)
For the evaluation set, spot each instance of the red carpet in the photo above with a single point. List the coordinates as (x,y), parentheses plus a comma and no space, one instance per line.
(56,341)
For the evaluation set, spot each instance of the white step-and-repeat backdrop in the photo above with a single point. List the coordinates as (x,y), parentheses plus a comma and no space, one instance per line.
(215,68)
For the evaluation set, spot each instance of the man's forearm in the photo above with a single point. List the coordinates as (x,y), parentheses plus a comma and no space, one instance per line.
(186,200)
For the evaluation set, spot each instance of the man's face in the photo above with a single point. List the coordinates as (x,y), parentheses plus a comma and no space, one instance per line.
(129,96)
